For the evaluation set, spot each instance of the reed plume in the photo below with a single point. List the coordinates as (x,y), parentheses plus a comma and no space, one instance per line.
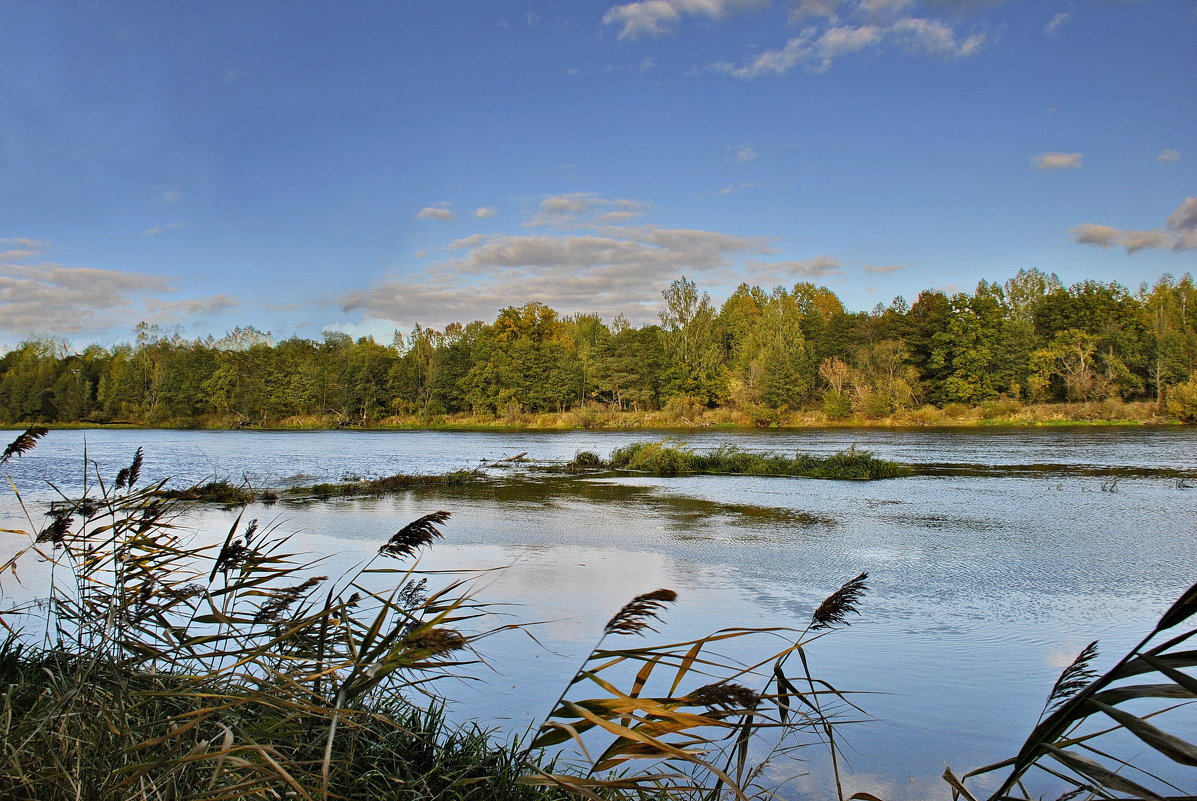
(281,600)
(724,695)
(23,443)
(837,606)
(57,531)
(128,476)
(1076,677)
(414,535)
(634,617)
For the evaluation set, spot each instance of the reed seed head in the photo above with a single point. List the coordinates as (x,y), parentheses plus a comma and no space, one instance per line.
(24,442)
(634,617)
(836,607)
(1074,678)
(436,641)
(414,535)
(725,696)
(278,603)
(128,476)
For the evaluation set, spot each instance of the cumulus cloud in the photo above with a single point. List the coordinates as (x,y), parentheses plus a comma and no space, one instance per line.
(1055,23)
(485,212)
(662,17)
(1179,232)
(50,297)
(886,268)
(1057,161)
(577,208)
(1168,156)
(804,9)
(816,48)
(437,212)
(170,195)
(613,269)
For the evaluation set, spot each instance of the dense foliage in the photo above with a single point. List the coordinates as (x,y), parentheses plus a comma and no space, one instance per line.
(762,353)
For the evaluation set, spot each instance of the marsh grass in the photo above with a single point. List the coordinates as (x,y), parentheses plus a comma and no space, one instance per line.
(158,667)
(668,458)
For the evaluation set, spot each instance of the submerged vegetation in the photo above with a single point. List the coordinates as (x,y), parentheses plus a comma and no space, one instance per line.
(1025,351)
(667,458)
(157,666)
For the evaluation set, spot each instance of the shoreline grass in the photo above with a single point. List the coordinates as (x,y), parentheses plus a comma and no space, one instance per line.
(592,416)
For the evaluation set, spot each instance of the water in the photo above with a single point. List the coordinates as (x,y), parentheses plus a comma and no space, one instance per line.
(987,575)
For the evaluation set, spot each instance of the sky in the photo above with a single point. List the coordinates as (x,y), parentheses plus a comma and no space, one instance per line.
(363,166)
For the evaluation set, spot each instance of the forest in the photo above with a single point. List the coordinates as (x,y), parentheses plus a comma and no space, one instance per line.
(762,353)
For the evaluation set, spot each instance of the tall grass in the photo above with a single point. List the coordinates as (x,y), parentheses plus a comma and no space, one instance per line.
(666,458)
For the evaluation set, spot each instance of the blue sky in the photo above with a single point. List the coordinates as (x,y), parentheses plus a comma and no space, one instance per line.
(363,166)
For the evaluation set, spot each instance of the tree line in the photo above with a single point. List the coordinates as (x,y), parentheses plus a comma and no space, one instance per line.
(762,352)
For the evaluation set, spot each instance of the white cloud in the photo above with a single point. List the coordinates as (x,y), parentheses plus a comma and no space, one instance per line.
(818,267)
(160,229)
(485,212)
(662,17)
(576,208)
(746,153)
(1057,161)
(731,190)
(1055,23)
(438,212)
(614,269)
(803,9)
(191,308)
(887,268)
(171,195)
(815,48)
(50,297)
(1179,232)
(1168,156)
(233,74)
(646,64)
(935,38)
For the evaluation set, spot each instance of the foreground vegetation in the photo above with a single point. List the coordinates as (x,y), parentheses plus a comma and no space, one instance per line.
(1026,350)
(155,667)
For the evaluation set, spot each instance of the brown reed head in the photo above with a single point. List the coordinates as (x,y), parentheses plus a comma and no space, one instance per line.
(724,695)
(415,534)
(437,640)
(836,607)
(635,616)
(24,442)
(128,476)
(1074,678)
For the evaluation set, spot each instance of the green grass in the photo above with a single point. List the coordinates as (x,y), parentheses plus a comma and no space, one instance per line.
(663,458)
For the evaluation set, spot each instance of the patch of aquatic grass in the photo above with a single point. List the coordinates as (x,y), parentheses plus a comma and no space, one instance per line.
(666,458)
(215,491)
(385,486)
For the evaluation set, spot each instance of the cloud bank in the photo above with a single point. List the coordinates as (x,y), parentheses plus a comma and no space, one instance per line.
(1179,232)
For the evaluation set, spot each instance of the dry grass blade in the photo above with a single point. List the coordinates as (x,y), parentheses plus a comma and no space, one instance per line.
(24,443)
(1180,611)
(836,607)
(635,615)
(415,535)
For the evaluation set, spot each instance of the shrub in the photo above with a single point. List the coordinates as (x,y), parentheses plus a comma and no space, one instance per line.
(1181,402)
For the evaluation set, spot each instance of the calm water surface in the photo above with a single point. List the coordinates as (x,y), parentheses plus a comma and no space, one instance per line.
(988,574)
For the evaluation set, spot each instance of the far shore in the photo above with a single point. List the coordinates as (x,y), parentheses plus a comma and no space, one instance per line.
(999,413)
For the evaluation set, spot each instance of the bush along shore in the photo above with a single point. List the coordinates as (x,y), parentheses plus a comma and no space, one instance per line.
(157,668)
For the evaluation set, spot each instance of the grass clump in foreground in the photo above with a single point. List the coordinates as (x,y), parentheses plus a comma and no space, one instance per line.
(663,458)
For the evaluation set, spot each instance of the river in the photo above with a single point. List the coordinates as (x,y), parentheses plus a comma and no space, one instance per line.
(989,570)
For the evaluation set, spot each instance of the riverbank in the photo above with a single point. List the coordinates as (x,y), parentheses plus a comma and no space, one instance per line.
(688,417)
